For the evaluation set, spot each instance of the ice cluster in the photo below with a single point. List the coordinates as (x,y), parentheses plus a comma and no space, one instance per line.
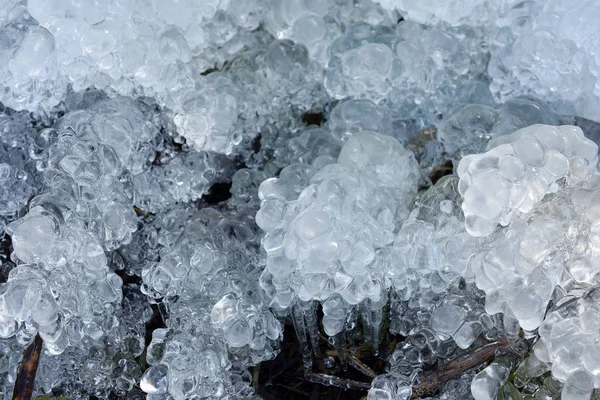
(19,176)
(182,182)
(552,53)
(519,170)
(63,283)
(105,363)
(326,230)
(207,276)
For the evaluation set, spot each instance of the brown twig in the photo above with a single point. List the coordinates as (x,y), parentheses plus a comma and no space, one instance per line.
(27,370)
(431,382)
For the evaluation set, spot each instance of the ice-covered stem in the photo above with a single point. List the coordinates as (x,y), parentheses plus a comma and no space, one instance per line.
(27,370)
(455,368)
(330,380)
(309,308)
(339,344)
(300,328)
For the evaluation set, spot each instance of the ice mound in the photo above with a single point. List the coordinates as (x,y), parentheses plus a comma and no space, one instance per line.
(317,24)
(372,185)
(29,68)
(19,177)
(568,342)
(64,287)
(469,129)
(453,12)
(208,262)
(519,170)
(554,56)
(105,363)
(237,166)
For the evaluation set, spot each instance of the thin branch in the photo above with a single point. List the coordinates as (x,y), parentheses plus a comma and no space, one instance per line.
(330,380)
(453,369)
(360,366)
(27,370)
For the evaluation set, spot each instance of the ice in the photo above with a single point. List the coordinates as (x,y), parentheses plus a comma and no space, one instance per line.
(520,169)
(312,235)
(553,56)
(81,167)
(388,387)
(154,380)
(181,181)
(447,319)
(567,343)
(207,269)
(451,11)
(486,384)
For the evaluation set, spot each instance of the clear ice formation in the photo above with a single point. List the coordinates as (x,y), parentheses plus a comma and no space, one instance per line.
(236,165)
(552,53)
(19,178)
(63,288)
(208,270)
(105,363)
(519,170)
(568,343)
(326,231)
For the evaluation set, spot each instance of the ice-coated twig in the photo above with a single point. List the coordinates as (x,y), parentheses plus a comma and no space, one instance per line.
(453,369)
(330,380)
(360,366)
(339,343)
(27,370)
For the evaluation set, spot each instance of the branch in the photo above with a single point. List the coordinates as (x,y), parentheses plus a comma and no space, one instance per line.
(453,369)
(27,369)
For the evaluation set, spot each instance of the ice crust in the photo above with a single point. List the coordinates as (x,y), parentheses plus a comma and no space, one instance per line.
(197,175)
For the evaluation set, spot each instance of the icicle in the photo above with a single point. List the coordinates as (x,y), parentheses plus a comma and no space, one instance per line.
(376,319)
(309,309)
(300,327)
(372,316)
(339,343)
(350,326)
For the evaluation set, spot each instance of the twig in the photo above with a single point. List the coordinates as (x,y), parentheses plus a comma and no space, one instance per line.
(360,366)
(330,380)
(27,369)
(431,382)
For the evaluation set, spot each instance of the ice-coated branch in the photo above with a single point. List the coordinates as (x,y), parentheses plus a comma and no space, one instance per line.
(455,368)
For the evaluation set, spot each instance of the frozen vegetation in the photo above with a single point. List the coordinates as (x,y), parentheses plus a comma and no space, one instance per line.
(187,187)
